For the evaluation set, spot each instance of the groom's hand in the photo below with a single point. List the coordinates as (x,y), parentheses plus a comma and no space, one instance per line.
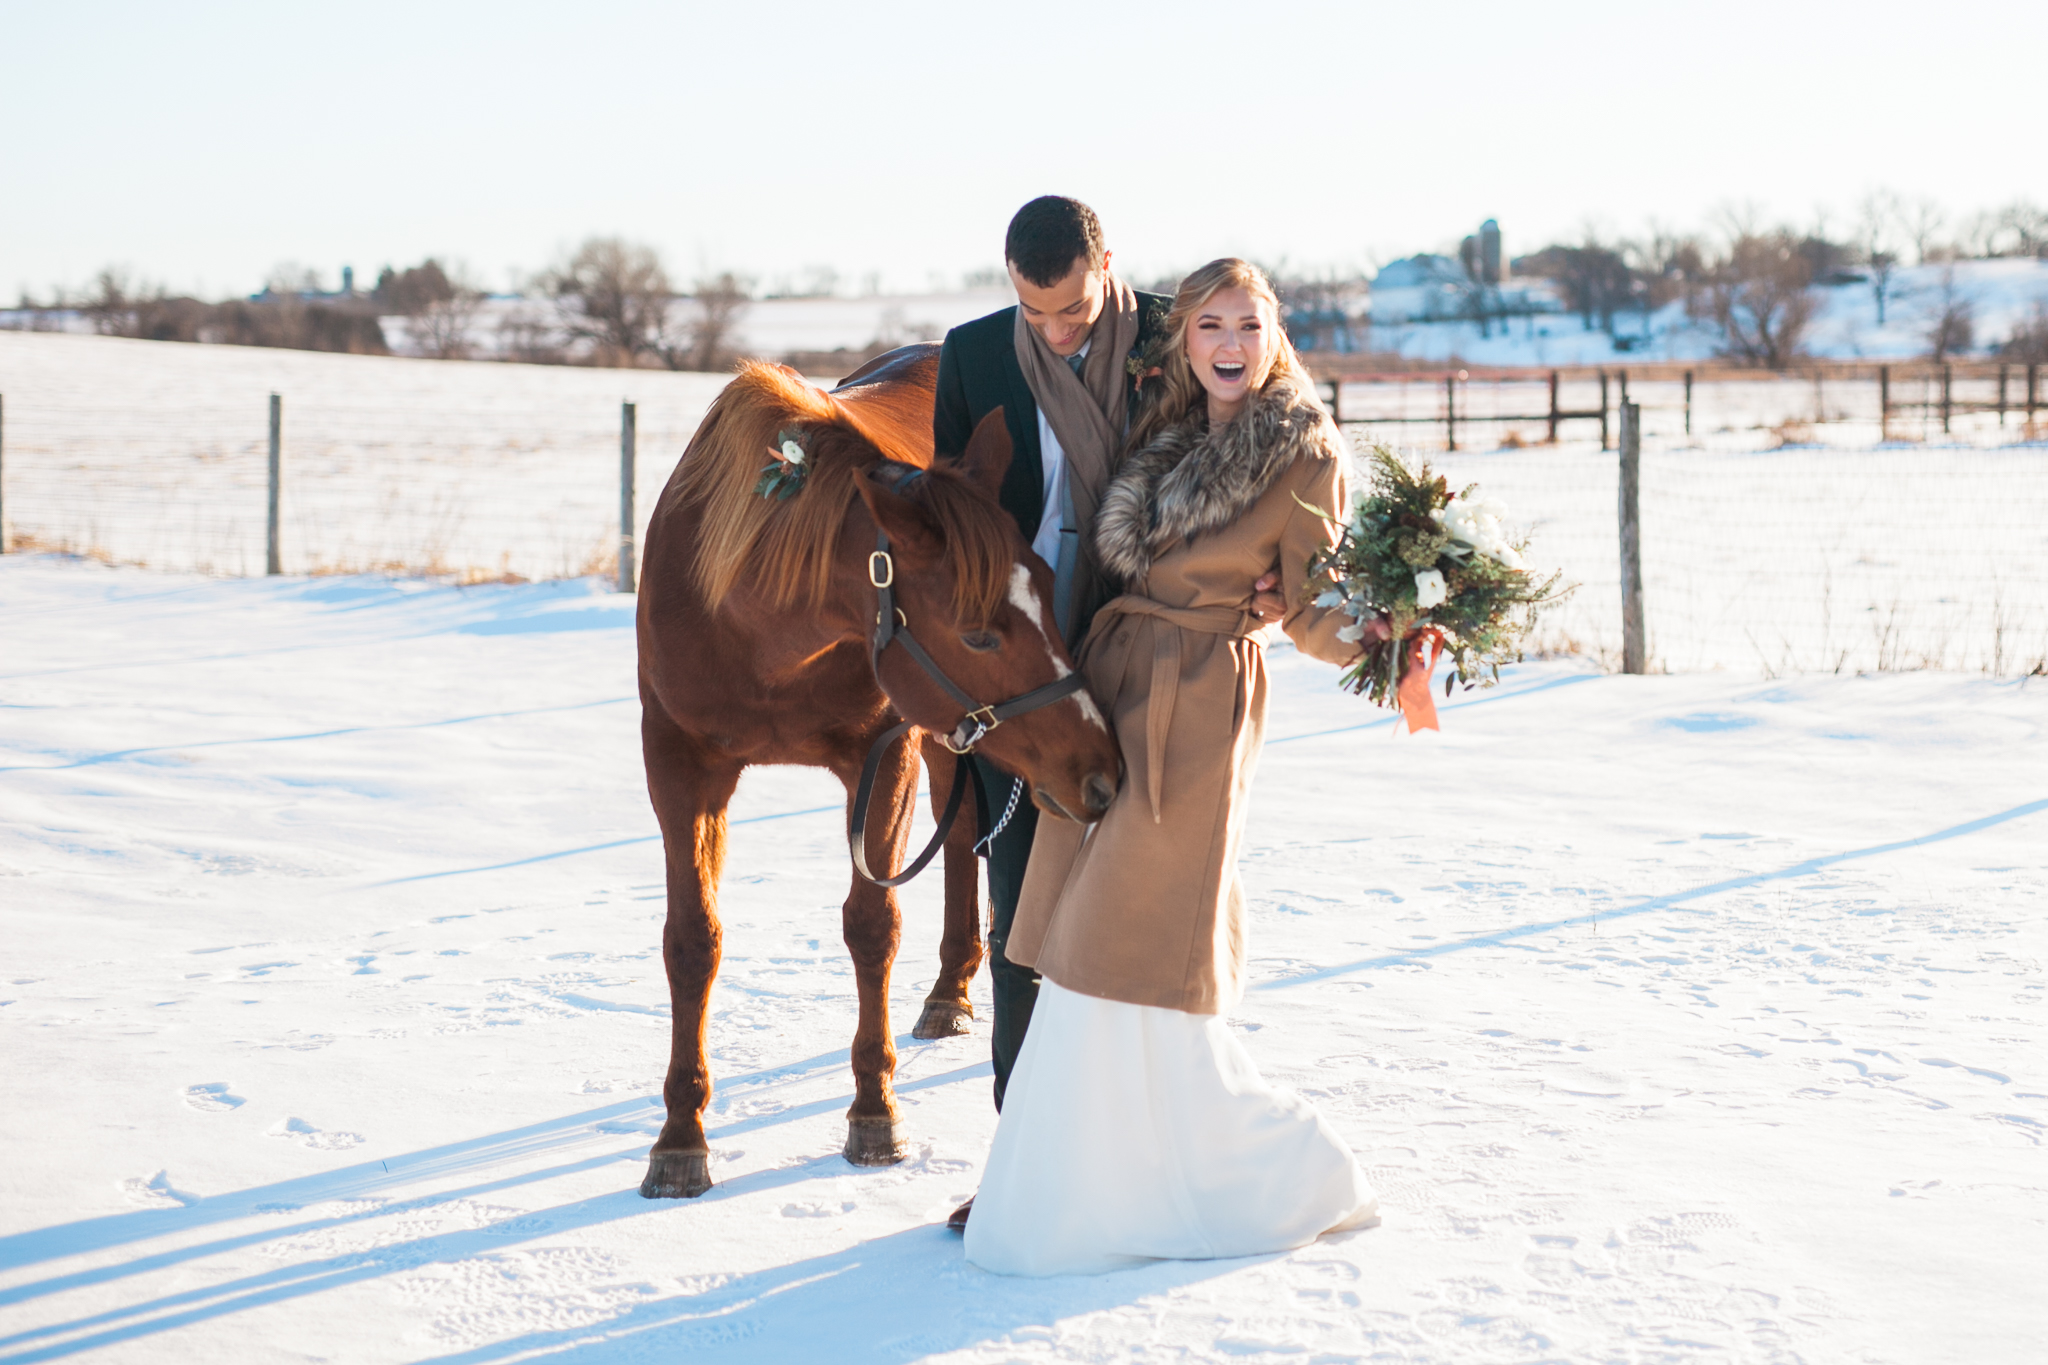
(1268,605)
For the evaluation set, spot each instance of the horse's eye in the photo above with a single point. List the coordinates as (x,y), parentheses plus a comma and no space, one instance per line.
(981,641)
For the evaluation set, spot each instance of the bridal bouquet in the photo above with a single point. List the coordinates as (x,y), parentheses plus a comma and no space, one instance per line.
(1442,572)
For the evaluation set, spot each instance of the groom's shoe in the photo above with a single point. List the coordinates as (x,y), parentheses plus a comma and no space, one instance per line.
(958,1222)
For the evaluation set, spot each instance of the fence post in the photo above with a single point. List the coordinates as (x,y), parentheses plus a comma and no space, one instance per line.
(1451,410)
(1884,402)
(2033,375)
(273,558)
(628,450)
(1603,411)
(1632,659)
(1688,402)
(1623,374)
(2002,369)
(1947,380)
(1553,407)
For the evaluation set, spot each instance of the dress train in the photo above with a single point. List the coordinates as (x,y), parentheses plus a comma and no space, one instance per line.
(1132,1133)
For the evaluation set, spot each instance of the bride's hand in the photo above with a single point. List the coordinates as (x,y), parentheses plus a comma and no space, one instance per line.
(1267,605)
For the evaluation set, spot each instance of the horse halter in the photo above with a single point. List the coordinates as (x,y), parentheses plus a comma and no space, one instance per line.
(892,627)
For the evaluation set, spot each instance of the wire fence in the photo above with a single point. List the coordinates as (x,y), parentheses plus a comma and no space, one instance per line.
(507,491)
(1789,531)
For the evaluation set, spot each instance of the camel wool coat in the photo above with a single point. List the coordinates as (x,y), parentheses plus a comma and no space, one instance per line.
(1145,906)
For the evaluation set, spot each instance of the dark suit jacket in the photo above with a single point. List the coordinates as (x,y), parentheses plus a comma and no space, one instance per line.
(978,373)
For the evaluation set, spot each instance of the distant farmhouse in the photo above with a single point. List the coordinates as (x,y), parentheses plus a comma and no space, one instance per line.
(1476,287)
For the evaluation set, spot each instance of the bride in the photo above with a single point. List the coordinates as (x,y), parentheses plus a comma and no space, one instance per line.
(1135,1125)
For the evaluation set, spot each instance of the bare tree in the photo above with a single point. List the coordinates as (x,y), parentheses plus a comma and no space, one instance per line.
(1596,279)
(1758,295)
(530,335)
(289,277)
(438,307)
(704,342)
(2018,229)
(615,295)
(1669,265)
(113,302)
(1953,328)
(1922,220)
(1877,226)
(123,308)
(2028,343)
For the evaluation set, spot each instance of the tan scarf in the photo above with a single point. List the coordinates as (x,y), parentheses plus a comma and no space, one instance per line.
(1086,411)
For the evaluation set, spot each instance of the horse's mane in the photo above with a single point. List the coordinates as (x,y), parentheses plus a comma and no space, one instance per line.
(786,548)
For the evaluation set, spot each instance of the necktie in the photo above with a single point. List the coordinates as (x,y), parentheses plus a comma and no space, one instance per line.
(1070,539)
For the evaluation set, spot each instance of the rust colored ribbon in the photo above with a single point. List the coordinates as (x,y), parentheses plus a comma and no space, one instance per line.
(1419,652)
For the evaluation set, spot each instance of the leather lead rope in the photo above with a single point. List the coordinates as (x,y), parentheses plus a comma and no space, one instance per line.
(857,817)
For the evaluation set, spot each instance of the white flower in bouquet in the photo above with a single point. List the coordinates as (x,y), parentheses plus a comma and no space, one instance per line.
(1476,524)
(1430,589)
(792,452)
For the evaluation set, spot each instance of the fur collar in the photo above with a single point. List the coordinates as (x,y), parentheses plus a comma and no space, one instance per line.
(1190,479)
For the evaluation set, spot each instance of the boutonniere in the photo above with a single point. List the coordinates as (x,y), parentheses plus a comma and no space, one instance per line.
(783,476)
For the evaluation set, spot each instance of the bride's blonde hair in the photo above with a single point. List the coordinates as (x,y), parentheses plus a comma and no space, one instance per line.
(1175,394)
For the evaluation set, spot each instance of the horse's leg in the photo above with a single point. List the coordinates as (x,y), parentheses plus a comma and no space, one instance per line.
(947,1009)
(690,786)
(873,927)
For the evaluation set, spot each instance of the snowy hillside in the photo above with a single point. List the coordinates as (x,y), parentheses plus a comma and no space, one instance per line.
(2001,294)
(1676,1018)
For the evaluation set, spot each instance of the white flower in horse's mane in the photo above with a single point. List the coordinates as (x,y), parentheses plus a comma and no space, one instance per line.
(792,452)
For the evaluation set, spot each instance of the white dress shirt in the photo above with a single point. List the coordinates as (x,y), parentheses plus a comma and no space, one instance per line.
(1053,458)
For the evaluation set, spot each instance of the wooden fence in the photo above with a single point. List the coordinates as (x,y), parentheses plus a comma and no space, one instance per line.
(1902,392)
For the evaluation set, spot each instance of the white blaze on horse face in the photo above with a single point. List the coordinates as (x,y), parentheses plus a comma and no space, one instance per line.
(1024,597)
(1090,712)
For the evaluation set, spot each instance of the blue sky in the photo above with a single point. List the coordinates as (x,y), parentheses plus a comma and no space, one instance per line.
(200,144)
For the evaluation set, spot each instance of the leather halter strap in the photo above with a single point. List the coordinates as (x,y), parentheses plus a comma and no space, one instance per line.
(891,627)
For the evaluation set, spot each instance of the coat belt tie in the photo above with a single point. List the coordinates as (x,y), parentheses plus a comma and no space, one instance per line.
(1229,621)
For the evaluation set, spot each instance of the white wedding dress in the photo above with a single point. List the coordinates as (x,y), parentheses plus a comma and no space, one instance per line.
(1132,1133)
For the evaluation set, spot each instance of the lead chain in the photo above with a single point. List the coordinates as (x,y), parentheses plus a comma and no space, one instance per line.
(1016,790)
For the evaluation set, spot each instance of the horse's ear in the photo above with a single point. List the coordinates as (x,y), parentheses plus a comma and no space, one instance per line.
(913,535)
(987,459)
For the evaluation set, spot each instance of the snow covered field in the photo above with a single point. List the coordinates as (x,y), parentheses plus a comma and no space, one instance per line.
(157,453)
(1796,559)
(1677,1018)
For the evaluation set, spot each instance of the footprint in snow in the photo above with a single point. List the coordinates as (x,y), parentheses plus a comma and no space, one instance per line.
(306,1135)
(212,1097)
(815,1210)
(157,1192)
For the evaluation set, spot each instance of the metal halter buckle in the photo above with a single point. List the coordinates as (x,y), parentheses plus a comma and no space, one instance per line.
(884,576)
(983,721)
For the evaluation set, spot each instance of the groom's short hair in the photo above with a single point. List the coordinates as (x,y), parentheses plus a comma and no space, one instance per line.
(1048,235)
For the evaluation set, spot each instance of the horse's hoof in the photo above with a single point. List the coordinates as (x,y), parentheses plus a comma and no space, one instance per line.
(874,1142)
(676,1175)
(942,1019)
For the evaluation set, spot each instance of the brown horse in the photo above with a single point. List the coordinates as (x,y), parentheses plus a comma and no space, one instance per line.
(755,621)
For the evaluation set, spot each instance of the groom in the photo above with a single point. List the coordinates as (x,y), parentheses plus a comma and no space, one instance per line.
(1061,366)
